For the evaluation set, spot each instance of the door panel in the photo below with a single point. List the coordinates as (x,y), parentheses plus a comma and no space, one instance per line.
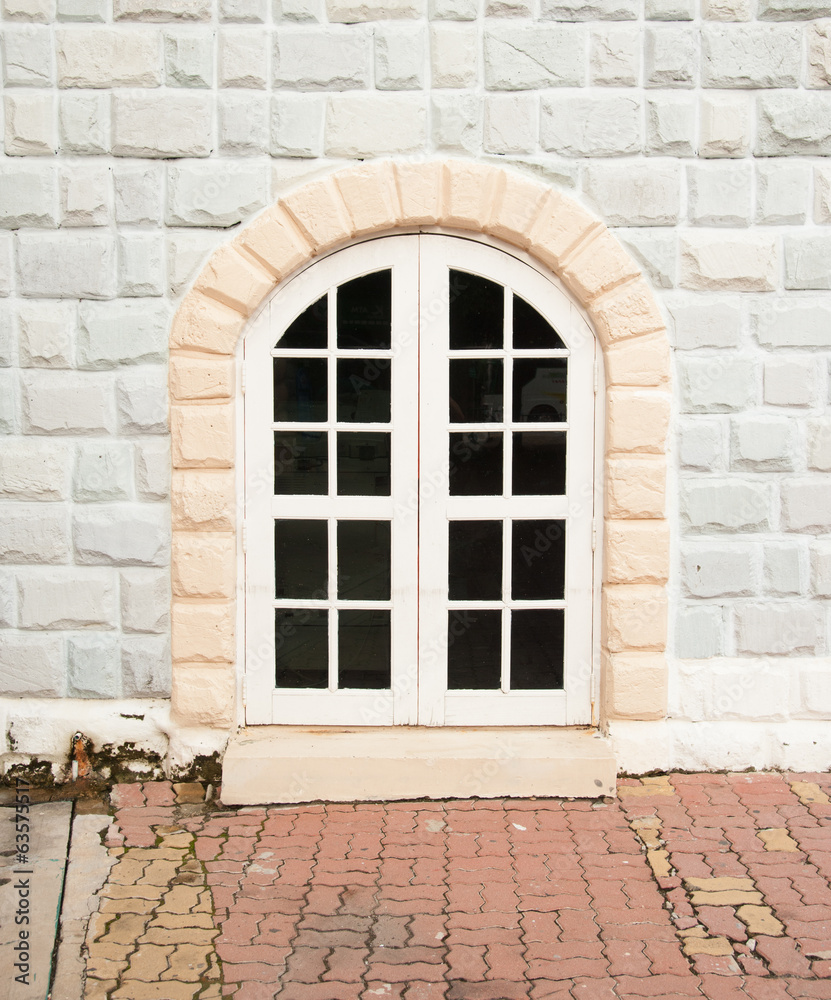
(419,458)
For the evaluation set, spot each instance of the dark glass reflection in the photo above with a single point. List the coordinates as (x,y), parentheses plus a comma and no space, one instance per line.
(531,331)
(301,559)
(477,310)
(364,390)
(475,560)
(538,560)
(540,389)
(476,391)
(301,463)
(309,329)
(364,650)
(364,311)
(475,464)
(474,650)
(301,643)
(363,464)
(539,463)
(300,389)
(364,560)
(537,649)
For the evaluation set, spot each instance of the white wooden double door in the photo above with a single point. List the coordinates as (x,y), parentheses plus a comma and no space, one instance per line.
(419,454)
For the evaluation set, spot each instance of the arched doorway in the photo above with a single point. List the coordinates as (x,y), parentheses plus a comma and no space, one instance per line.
(419,459)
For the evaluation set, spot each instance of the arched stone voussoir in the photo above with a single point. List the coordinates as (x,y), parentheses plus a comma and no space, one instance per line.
(236,279)
(320,213)
(627,311)
(469,192)
(519,204)
(274,240)
(597,266)
(204,324)
(371,197)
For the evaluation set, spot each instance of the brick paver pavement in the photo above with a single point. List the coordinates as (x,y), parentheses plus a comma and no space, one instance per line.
(704,885)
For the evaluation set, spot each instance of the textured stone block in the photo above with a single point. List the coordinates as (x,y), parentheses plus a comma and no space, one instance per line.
(365,125)
(643,194)
(711,324)
(719,194)
(204,564)
(83,10)
(27,56)
(103,471)
(203,631)
(145,600)
(743,262)
(698,633)
(751,57)
(655,251)
(31,665)
(63,403)
(162,10)
(142,400)
(636,488)
(123,332)
(669,10)
(232,277)
(186,256)
(725,125)
(591,124)
(29,10)
(188,58)
(793,10)
(300,11)
(806,506)
(6,269)
(671,124)
(141,265)
(153,470)
(215,193)
(244,11)
(66,265)
(202,324)
(138,193)
(634,617)
(297,122)
(637,420)
(203,695)
(84,121)
(399,56)
(597,266)
(351,11)
(121,535)
(726,505)
(108,57)
(151,124)
(46,333)
(789,322)
(145,667)
(244,125)
(454,55)
(453,10)
(776,629)
(784,569)
(728,10)
(718,384)
(33,533)
(35,470)
(636,686)
(806,260)
(8,403)
(530,57)
(510,123)
(643,361)
(819,445)
(671,57)
(790,382)
(629,310)
(457,122)
(821,569)
(318,59)
(615,55)
(782,191)
(595,10)
(85,195)
(76,597)
(30,128)
(93,666)
(203,436)
(819,55)
(203,500)
(636,551)
(8,338)
(370,197)
(701,444)
(201,378)
(243,58)
(720,569)
(793,123)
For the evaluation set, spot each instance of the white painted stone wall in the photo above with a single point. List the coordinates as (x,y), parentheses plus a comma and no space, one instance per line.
(138,133)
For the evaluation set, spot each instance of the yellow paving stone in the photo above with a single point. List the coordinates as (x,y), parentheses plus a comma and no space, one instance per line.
(719,884)
(181,899)
(148,962)
(692,932)
(648,831)
(169,990)
(180,935)
(137,891)
(634,791)
(187,964)
(732,897)
(127,871)
(808,792)
(777,839)
(760,920)
(177,920)
(160,873)
(98,989)
(112,906)
(659,863)
(157,854)
(212,992)
(189,791)
(707,946)
(105,968)
(127,928)
(656,779)
(176,840)
(97,926)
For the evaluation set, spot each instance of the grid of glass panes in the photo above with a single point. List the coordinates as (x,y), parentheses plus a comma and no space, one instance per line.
(332,378)
(507,437)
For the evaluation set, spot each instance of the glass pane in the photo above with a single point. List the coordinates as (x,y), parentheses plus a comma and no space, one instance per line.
(475,390)
(309,329)
(364,649)
(364,390)
(301,463)
(363,464)
(475,572)
(474,650)
(364,560)
(300,389)
(301,559)
(537,649)
(540,389)
(301,642)
(364,311)
(475,464)
(531,331)
(477,310)
(538,560)
(539,463)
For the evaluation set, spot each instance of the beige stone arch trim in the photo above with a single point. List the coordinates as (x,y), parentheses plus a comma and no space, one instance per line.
(375,198)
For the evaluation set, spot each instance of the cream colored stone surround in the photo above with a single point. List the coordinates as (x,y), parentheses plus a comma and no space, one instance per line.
(372,199)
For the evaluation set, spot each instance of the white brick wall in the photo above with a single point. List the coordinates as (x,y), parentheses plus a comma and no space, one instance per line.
(136,132)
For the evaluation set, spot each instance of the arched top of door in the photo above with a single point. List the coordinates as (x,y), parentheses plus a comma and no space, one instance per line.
(384,196)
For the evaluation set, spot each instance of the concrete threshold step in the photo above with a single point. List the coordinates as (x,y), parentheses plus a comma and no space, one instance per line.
(284,764)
